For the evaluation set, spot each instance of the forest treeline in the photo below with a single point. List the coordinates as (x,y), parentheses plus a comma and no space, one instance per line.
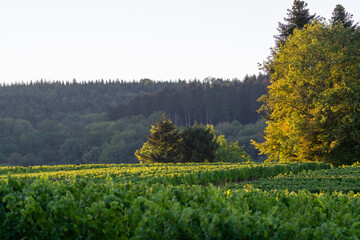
(74,122)
(56,100)
(207,102)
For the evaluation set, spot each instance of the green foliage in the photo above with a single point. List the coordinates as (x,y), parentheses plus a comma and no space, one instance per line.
(113,142)
(70,150)
(144,153)
(84,139)
(162,144)
(236,132)
(342,179)
(209,101)
(314,98)
(298,18)
(173,174)
(41,100)
(96,202)
(230,152)
(198,144)
(167,144)
(89,139)
(340,15)
(60,122)
(184,101)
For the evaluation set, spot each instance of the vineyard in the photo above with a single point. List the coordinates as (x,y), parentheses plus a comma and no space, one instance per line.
(344,179)
(180,201)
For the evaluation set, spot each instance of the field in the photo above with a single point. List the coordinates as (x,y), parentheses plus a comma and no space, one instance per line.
(180,201)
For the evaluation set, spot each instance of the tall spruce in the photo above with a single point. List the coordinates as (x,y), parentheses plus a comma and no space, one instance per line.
(340,15)
(298,17)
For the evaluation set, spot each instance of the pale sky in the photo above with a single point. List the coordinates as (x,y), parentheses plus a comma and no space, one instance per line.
(135,39)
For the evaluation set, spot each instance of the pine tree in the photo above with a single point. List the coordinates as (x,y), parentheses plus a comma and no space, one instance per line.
(162,144)
(340,15)
(298,17)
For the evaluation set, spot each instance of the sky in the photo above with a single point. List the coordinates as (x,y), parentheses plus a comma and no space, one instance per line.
(135,39)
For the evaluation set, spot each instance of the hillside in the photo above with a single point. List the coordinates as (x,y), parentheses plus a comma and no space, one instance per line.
(106,121)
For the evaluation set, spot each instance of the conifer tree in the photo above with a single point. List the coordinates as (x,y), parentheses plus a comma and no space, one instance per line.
(298,17)
(340,15)
(162,144)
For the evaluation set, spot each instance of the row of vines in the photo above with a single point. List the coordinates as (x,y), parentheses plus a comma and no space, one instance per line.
(344,179)
(179,201)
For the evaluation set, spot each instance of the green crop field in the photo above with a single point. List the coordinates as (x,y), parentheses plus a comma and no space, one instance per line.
(343,179)
(180,201)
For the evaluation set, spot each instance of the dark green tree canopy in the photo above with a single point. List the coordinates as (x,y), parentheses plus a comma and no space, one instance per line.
(162,144)
(207,102)
(340,15)
(165,144)
(198,144)
(298,17)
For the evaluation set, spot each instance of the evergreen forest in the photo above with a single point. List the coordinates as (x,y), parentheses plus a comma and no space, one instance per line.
(55,122)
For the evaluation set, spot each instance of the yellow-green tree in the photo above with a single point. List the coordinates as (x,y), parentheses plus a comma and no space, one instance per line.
(313,102)
(230,152)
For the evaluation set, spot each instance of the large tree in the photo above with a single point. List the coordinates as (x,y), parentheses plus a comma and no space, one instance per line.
(340,15)
(313,102)
(198,144)
(297,17)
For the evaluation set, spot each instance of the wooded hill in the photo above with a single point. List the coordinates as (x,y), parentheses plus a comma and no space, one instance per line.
(82,122)
(207,101)
(40,100)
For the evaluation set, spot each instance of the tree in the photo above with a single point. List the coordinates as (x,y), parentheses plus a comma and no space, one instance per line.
(339,15)
(230,152)
(298,17)
(15,159)
(70,151)
(313,102)
(162,144)
(198,144)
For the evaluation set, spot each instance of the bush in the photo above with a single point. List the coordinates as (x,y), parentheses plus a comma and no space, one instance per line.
(230,152)
(198,144)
